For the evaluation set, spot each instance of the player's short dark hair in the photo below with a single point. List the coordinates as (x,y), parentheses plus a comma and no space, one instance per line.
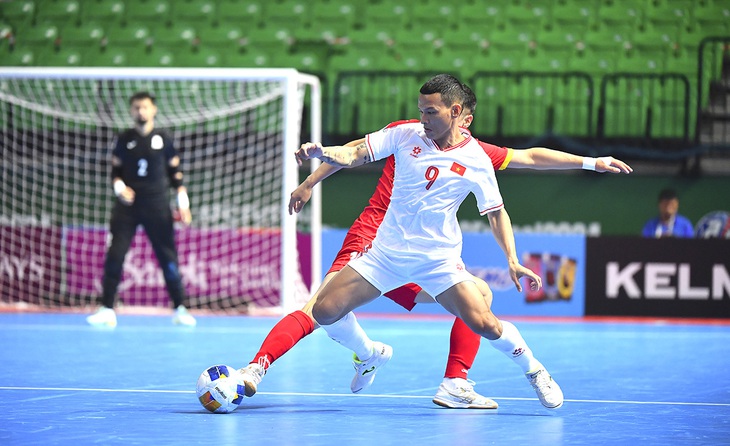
(452,91)
(667,194)
(140,95)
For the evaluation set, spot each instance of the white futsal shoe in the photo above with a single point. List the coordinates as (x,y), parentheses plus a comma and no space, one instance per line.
(458,393)
(548,391)
(183,317)
(365,370)
(104,317)
(251,376)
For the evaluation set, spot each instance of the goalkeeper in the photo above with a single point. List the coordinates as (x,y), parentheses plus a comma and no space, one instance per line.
(145,164)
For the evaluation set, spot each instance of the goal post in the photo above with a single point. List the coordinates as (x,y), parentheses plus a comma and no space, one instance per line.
(236,130)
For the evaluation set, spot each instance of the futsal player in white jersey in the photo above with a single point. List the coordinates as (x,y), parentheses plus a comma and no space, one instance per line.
(437,165)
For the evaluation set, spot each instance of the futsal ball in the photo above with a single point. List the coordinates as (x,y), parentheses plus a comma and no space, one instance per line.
(220,389)
(714,225)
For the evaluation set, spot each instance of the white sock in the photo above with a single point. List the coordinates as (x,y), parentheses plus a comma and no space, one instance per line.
(512,345)
(348,332)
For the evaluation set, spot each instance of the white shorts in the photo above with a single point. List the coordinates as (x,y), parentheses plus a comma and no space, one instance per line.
(387,271)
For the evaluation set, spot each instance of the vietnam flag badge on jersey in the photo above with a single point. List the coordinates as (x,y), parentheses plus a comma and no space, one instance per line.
(458,168)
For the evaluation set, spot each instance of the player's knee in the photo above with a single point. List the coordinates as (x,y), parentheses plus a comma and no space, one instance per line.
(324,314)
(487,326)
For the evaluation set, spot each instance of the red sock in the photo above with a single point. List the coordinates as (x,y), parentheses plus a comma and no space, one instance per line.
(463,347)
(285,334)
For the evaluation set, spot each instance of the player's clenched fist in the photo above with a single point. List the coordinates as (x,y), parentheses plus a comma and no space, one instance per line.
(307,151)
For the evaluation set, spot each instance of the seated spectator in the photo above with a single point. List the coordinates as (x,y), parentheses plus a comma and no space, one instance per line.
(669,223)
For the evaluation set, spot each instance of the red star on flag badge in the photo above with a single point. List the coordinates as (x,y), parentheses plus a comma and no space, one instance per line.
(458,168)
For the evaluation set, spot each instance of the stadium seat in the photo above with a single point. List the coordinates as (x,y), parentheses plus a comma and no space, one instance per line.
(59,11)
(617,13)
(199,57)
(223,35)
(480,15)
(40,37)
(458,39)
(510,39)
(458,63)
(61,57)
(273,38)
(547,61)
(641,63)
(571,106)
(605,38)
(417,59)
(572,15)
(251,58)
(88,33)
(103,11)
(405,40)
(108,57)
(132,36)
(654,39)
(501,60)
(557,42)
(152,13)
(6,30)
(155,57)
(368,38)
(389,16)
(434,16)
(20,13)
(201,11)
(666,14)
(492,94)
(244,13)
(19,56)
(177,35)
(290,13)
(340,15)
(524,15)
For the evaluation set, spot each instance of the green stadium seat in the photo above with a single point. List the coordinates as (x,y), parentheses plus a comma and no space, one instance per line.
(155,57)
(150,13)
(306,61)
(557,42)
(480,15)
(641,63)
(108,57)
(605,38)
(6,30)
(61,57)
(406,40)
(547,61)
(358,61)
(290,13)
(103,11)
(59,11)
(617,13)
(526,112)
(251,58)
(524,15)
(134,35)
(340,16)
(510,39)
(666,14)
(493,97)
(458,63)
(655,40)
(199,57)
(244,13)
(273,38)
(368,38)
(626,108)
(434,16)
(223,35)
(203,12)
(416,59)
(458,39)
(41,37)
(501,60)
(572,113)
(390,15)
(19,56)
(20,13)
(87,33)
(717,14)
(572,15)
(178,35)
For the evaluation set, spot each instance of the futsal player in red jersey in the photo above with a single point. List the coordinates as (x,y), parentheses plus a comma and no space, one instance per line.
(455,391)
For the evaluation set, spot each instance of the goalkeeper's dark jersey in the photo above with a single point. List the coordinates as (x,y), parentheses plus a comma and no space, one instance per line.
(145,161)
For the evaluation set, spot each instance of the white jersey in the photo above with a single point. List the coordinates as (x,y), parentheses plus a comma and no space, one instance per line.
(430,184)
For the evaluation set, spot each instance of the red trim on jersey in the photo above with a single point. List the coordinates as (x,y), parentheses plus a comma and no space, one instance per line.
(493,208)
(401,122)
(500,156)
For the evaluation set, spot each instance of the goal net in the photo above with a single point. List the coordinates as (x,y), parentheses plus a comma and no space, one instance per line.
(236,131)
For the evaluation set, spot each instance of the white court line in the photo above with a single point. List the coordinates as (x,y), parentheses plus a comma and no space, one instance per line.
(350,395)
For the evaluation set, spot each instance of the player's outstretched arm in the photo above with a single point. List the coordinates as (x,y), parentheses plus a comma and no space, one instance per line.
(343,156)
(541,158)
(303,192)
(502,230)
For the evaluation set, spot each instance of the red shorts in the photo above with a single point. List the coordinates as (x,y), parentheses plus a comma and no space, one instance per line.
(353,247)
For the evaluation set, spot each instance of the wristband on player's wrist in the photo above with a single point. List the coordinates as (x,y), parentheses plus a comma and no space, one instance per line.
(119,187)
(183,202)
(589,163)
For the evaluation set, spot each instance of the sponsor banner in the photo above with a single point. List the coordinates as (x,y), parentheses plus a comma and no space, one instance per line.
(215,263)
(558,259)
(30,263)
(630,276)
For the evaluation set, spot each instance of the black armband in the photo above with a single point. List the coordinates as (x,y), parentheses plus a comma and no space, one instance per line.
(116,172)
(175,175)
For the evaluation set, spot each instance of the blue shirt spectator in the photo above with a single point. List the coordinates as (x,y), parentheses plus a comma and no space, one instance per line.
(669,223)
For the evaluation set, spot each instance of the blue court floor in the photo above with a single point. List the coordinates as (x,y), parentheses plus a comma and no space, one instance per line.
(62,382)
